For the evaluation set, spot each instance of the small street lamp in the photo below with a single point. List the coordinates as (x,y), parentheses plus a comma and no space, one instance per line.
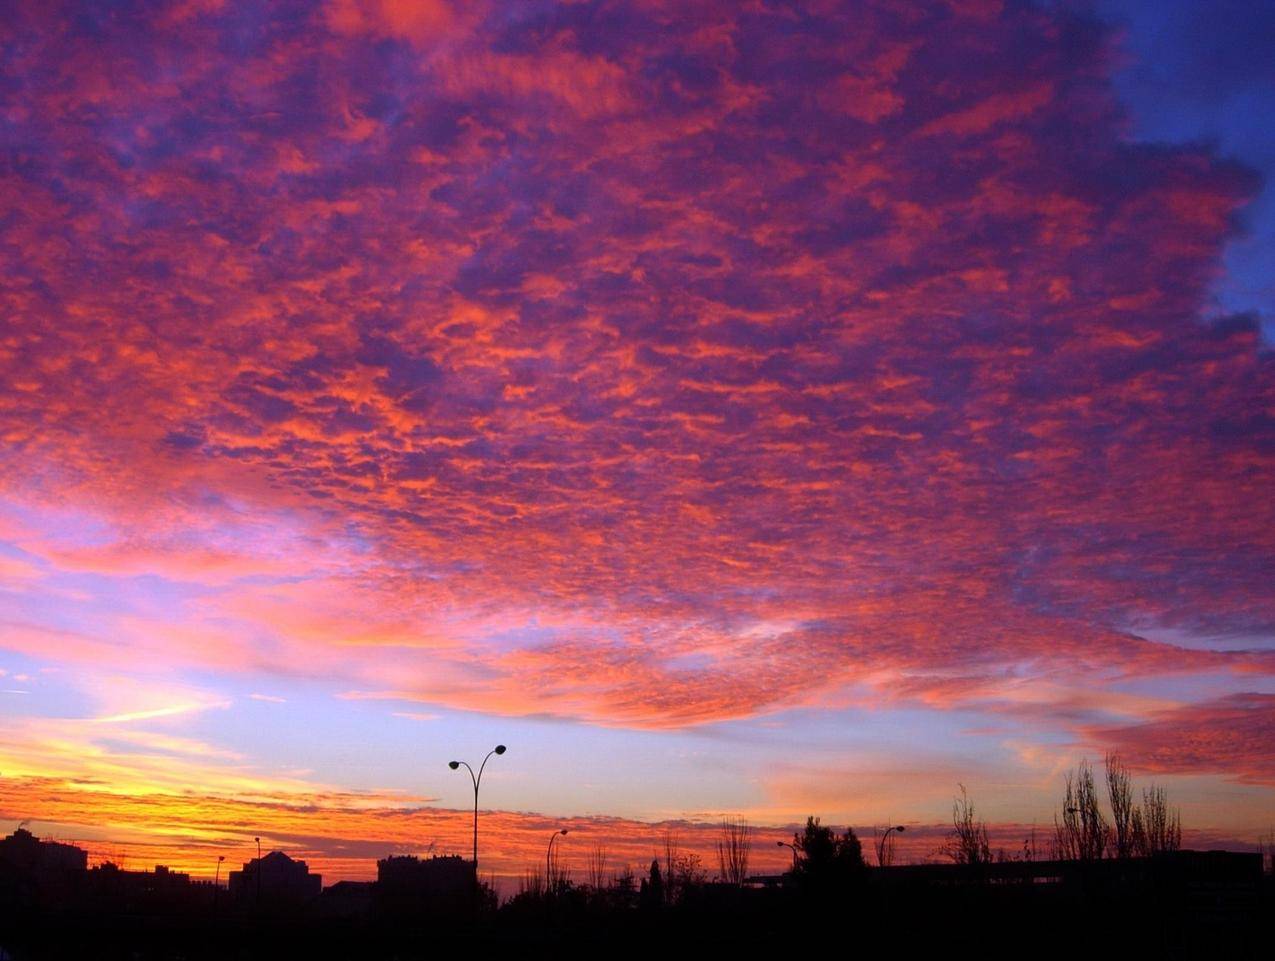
(217,882)
(785,844)
(881,844)
(549,858)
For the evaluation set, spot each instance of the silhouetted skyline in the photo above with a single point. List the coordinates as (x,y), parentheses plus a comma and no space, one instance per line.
(1168,903)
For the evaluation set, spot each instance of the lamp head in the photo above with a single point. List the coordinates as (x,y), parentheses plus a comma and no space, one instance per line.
(453,764)
(781,844)
(900,829)
(563,831)
(500,749)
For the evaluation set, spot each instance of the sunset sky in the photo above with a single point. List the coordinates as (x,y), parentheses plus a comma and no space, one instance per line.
(747,408)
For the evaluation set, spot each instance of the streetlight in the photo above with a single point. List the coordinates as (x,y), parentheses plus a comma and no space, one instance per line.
(258,840)
(477,779)
(549,858)
(217,883)
(785,844)
(881,844)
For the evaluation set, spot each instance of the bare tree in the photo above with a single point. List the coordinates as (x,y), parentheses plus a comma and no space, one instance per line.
(1029,846)
(672,854)
(1082,833)
(968,842)
(532,884)
(733,850)
(1161,826)
(561,876)
(688,873)
(1126,820)
(597,867)
(625,882)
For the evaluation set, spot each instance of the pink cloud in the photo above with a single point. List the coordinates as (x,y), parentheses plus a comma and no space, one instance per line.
(1232,735)
(532,362)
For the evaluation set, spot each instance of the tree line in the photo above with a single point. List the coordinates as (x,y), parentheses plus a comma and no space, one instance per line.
(1083,831)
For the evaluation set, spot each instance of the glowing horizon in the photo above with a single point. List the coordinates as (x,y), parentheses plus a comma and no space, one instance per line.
(762,410)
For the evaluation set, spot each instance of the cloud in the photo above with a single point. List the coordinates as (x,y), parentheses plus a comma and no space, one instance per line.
(648,365)
(171,710)
(1232,735)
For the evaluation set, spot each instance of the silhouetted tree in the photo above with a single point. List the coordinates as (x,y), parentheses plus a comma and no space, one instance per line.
(597,867)
(652,893)
(672,851)
(625,882)
(968,842)
(1161,827)
(624,889)
(532,883)
(826,859)
(1082,832)
(1126,819)
(688,873)
(1029,846)
(733,850)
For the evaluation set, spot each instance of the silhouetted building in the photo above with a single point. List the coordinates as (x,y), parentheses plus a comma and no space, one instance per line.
(111,888)
(435,875)
(346,900)
(25,852)
(276,879)
(408,884)
(34,871)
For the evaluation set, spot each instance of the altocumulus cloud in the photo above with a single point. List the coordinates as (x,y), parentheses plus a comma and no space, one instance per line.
(643,363)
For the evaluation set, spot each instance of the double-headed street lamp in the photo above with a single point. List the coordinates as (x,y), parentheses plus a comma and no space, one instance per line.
(477,779)
(881,844)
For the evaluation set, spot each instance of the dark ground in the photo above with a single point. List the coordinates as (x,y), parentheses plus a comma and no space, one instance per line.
(985,921)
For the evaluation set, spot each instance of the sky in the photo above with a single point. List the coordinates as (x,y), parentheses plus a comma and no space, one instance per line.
(737,409)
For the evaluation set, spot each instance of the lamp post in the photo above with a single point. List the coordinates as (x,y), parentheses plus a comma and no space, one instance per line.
(258,840)
(549,858)
(785,844)
(477,779)
(217,883)
(881,844)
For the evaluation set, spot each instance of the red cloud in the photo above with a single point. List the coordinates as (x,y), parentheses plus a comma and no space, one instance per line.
(1233,735)
(656,365)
